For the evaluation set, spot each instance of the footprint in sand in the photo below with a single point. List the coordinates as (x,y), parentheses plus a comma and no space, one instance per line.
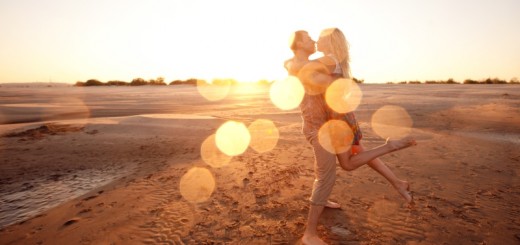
(70,222)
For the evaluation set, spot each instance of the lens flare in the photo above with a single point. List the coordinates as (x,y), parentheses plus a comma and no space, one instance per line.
(287,94)
(392,121)
(307,75)
(214,91)
(66,108)
(211,155)
(264,135)
(343,95)
(232,138)
(335,136)
(197,185)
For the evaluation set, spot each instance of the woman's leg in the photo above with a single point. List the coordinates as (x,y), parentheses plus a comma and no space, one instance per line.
(351,162)
(402,187)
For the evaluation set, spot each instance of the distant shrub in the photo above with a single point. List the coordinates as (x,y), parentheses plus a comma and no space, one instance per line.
(159,81)
(358,80)
(117,83)
(176,82)
(514,80)
(79,84)
(191,81)
(93,82)
(138,82)
(414,82)
(451,81)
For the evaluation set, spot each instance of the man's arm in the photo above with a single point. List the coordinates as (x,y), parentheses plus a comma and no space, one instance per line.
(315,76)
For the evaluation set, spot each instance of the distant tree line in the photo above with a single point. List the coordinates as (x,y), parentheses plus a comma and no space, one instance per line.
(467,81)
(159,82)
(193,81)
(135,82)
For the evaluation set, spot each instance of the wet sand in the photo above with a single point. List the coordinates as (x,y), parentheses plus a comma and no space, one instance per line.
(106,165)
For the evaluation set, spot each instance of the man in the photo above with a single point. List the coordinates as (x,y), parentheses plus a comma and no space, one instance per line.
(314,115)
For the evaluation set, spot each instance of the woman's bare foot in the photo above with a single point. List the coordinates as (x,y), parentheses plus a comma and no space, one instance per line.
(312,240)
(399,144)
(403,188)
(331,204)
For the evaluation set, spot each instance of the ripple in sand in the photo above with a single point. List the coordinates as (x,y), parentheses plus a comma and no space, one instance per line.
(197,185)
(392,122)
(214,91)
(343,95)
(287,94)
(264,135)
(335,136)
(211,155)
(391,221)
(232,138)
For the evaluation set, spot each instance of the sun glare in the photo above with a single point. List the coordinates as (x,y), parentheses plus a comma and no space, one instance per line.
(392,122)
(211,155)
(264,135)
(68,107)
(197,185)
(335,136)
(287,93)
(232,138)
(343,95)
(214,91)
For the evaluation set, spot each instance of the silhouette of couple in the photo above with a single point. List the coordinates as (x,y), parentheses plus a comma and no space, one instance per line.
(316,76)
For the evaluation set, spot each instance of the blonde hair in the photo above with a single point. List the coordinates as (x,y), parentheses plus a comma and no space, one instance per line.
(340,48)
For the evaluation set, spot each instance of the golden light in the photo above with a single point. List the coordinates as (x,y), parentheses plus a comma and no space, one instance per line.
(232,138)
(343,95)
(214,91)
(264,135)
(197,185)
(392,122)
(211,155)
(335,136)
(287,94)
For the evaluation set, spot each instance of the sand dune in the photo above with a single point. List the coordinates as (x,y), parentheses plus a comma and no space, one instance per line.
(106,166)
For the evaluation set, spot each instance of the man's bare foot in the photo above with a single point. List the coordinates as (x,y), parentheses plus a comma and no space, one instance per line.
(404,190)
(331,204)
(312,240)
(400,143)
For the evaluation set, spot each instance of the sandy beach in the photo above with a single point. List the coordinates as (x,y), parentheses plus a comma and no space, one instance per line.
(132,165)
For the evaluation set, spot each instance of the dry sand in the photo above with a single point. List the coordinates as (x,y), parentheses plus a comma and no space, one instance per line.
(104,165)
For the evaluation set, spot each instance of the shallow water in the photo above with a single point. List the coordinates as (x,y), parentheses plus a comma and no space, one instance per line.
(43,194)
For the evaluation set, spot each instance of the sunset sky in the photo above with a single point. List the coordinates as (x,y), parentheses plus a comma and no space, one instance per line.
(69,41)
